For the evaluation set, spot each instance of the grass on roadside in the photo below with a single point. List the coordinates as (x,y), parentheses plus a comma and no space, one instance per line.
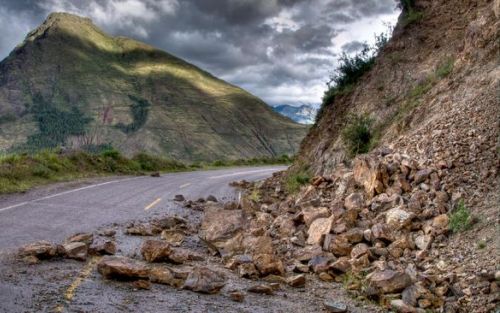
(20,172)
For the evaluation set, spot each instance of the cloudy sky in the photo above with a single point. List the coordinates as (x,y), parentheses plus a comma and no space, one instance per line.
(281,50)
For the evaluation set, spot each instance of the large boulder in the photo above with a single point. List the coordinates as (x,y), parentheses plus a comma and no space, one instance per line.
(180,256)
(354,201)
(40,250)
(75,250)
(389,281)
(398,218)
(318,229)
(371,173)
(204,280)
(269,264)
(122,268)
(311,214)
(102,246)
(163,275)
(156,250)
(222,230)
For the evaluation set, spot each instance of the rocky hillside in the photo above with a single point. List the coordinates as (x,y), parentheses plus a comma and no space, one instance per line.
(412,224)
(71,84)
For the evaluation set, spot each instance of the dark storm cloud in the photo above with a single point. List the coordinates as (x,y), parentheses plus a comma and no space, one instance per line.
(281,50)
(353,46)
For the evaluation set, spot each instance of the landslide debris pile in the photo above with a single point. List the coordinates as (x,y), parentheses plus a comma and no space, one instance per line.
(382,228)
(217,249)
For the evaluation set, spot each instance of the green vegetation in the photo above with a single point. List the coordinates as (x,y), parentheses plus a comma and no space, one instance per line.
(20,172)
(445,68)
(481,244)
(460,218)
(410,13)
(255,196)
(283,159)
(296,178)
(358,134)
(350,70)
(54,124)
(140,111)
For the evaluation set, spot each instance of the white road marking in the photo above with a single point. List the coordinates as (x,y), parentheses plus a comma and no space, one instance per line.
(247,172)
(184,186)
(66,192)
(152,204)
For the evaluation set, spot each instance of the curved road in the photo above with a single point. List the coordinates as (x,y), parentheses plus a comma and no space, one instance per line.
(55,215)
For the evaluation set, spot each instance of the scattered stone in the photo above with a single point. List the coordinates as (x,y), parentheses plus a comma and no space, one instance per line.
(262,289)
(237,296)
(173,237)
(359,250)
(162,275)
(122,268)
(170,223)
(211,198)
(310,214)
(108,232)
(248,270)
(156,250)
(423,242)
(401,307)
(221,230)
(204,280)
(324,276)
(398,218)
(180,256)
(297,280)
(42,250)
(318,229)
(179,198)
(335,307)
(389,281)
(354,201)
(421,176)
(143,229)
(141,284)
(86,238)
(102,246)
(269,264)
(75,250)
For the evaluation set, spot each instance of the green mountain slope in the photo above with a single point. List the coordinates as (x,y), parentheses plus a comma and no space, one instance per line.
(70,84)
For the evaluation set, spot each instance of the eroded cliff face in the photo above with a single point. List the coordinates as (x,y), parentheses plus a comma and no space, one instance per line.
(433,92)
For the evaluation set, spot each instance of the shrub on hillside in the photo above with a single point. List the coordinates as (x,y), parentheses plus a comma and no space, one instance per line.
(350,70)
(358,134)
(460,218)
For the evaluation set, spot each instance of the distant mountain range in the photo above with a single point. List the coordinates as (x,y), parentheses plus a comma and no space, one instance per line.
(70,84)
(304,114)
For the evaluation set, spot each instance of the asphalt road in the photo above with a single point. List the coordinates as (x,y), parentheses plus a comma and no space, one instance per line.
(54,215)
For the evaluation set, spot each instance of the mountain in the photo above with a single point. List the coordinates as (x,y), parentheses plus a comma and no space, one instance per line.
(71,84)
(304,114)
